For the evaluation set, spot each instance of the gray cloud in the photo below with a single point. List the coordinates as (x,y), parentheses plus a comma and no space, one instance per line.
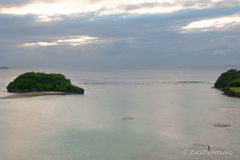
(19,3)
(223,45)
(10,3)
(148,39)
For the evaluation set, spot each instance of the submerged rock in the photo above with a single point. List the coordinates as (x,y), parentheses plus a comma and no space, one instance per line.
(3,68)
(128,118)
(222,125)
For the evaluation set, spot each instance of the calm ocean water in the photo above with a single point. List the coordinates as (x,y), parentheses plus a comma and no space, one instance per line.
(175,110)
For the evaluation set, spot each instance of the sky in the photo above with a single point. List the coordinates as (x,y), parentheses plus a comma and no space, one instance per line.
(71,33)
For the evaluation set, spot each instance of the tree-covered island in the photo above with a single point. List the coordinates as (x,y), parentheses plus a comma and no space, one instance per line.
(34,82)
(229,82)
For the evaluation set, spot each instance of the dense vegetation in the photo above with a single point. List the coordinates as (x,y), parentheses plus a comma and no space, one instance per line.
(234,89)
(229,79)
(32,81)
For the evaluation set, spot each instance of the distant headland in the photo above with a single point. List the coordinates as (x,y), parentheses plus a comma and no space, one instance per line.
(36,82)
(3,67)
(229,82)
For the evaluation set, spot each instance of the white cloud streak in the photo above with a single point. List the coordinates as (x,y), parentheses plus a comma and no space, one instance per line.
(39,44)
(75,41)
(212,24)
(105,7)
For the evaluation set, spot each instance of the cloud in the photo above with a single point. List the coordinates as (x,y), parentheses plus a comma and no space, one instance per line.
(218,52)
(39,44)
(46,9)
(223,45)
(119,47)
(75,41)
(114,32)
(213,24)
(223,42)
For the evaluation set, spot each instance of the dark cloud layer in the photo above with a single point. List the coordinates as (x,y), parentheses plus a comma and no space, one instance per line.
(124,39)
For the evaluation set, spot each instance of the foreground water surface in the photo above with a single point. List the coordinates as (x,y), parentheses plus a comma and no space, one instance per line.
(174,110)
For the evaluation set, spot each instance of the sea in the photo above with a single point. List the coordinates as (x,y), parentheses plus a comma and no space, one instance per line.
(126,113)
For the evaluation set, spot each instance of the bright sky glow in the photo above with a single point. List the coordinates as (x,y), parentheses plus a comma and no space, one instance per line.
(209,24)
(145,1)
(104,7)
(50,9)
(156,10)
(39,44)
(78,40)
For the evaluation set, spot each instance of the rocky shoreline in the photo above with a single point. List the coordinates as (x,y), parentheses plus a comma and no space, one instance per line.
(231,94)
(33,90)
(235,94)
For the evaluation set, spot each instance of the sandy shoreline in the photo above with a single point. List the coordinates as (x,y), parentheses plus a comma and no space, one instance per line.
(33,94)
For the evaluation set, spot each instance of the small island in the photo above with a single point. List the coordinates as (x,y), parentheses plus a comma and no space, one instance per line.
(229,82)
(36,82)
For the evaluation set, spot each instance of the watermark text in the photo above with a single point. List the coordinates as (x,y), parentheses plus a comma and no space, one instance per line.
(207,152)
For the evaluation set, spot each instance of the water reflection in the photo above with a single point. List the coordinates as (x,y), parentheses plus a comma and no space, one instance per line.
(168,119)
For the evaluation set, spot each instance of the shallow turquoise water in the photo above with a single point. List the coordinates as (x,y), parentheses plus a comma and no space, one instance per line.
(174,109)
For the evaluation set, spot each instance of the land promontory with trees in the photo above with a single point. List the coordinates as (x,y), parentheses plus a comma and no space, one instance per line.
(229,82)
(35,82)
